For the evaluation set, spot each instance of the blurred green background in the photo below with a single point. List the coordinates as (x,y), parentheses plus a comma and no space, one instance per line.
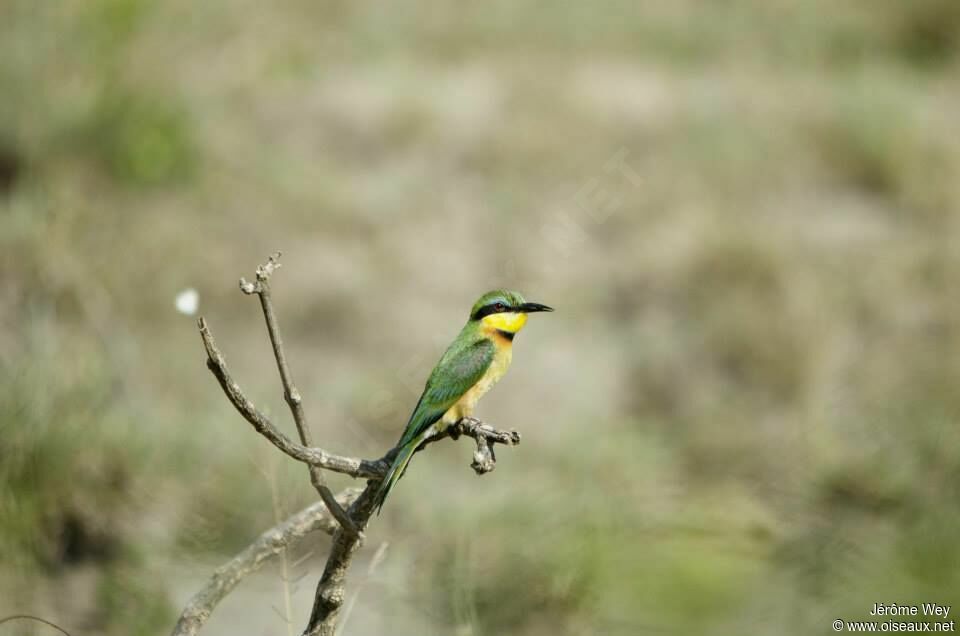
(742,418)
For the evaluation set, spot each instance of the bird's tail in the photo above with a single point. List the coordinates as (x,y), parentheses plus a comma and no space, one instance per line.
(396,470)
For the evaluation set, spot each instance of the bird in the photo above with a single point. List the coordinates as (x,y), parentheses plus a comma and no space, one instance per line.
(475,361)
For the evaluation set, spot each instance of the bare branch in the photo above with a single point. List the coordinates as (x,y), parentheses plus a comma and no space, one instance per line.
(375,561)
(268,545)
(290,393)
(330,590)
(309,455)
(348,536)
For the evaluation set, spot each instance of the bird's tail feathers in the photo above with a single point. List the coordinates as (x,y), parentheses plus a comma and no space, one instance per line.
(397,469)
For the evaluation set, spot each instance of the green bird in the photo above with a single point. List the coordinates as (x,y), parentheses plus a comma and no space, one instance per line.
(472,364)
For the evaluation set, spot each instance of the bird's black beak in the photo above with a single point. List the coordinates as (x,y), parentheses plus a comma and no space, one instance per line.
(531,308)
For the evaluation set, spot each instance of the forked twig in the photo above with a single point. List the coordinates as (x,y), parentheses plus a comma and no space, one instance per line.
(268,545)
(350,522)
(262,424)
(290,393)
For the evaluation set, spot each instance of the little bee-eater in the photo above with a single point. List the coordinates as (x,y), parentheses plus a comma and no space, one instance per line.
(472,364)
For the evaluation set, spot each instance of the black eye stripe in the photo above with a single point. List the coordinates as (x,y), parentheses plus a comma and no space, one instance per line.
(487,310)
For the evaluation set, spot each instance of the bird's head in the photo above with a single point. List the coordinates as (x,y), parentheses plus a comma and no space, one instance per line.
(504,311)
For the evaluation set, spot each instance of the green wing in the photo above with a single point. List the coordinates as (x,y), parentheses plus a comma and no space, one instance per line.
(458,370)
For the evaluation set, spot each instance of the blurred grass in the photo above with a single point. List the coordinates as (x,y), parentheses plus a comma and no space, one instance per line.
(742,419)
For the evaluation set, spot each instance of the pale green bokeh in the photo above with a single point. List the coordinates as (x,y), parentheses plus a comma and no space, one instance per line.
(742,417)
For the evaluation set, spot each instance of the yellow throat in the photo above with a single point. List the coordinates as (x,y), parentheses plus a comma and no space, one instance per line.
(509,322)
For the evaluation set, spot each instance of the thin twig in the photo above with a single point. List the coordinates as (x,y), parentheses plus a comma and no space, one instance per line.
(309,455)
(290,393)
(268,545)
(271,477)
(28,617)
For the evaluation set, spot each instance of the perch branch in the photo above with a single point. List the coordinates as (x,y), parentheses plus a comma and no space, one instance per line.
(347,532)
(290,393)
(484,458)
(267,546)
(330,590)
